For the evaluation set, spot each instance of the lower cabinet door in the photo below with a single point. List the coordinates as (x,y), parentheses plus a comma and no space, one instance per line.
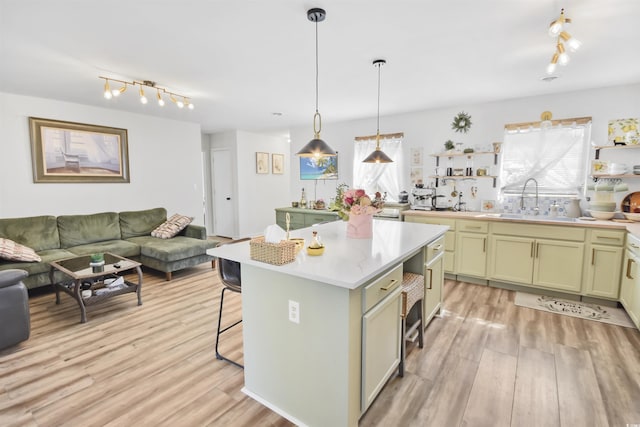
(381,329)
(511,259)
(471,254)
(433,289)
(558,265)
(603,276)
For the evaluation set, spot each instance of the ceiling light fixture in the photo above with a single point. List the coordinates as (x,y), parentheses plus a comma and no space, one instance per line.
(316,147)
(378,156)
(109,93)
(557,29)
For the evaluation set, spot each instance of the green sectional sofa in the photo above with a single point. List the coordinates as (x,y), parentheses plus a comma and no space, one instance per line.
(127,234)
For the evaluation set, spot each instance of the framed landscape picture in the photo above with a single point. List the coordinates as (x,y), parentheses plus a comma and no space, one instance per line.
(76,152)
(262,162)
(319,168)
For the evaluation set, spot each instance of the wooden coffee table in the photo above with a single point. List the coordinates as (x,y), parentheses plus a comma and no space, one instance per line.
(83,276)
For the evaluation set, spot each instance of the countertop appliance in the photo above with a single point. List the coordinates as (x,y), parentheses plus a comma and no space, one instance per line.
(422,198)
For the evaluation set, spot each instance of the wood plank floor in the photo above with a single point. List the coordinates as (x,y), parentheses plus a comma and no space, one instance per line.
(486,362)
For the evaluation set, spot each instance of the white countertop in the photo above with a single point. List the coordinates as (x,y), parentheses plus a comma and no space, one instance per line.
(346,262)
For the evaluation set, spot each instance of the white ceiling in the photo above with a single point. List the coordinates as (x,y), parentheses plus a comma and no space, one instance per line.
(243,60)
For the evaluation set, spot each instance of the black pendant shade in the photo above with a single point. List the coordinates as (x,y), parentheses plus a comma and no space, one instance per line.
(316,148)
(378,156)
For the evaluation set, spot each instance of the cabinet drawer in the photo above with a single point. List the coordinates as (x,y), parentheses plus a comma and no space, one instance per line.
(633,244)
(315,218)
(539,231)
(473,226)
(430,220)
(608,237)
(297,219)
(435,248)
(380,288)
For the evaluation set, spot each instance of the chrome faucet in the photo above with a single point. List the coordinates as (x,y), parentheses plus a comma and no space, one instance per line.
(536,210)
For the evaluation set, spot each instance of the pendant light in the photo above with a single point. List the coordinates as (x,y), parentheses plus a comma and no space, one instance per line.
(316,147)
(378,156)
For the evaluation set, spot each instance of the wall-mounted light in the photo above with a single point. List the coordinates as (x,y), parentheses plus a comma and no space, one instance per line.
(160,91)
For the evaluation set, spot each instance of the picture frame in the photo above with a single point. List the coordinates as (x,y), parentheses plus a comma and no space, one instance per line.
(324,167)
(416,156)
(262,162)
(69,152)
(277,164)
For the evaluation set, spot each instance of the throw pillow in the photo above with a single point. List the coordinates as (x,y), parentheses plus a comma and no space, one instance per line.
(13,251)
(172,226)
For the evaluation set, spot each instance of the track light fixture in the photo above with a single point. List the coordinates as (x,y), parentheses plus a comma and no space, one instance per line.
(557,29)
(160,91)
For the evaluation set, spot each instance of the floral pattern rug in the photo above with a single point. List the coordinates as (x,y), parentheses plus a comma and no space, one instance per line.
(583,310)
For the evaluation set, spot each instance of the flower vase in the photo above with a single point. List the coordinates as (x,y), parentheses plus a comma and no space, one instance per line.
(360,226)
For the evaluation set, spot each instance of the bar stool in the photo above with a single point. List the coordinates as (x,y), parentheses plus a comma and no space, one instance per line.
(229,273)
(412,295)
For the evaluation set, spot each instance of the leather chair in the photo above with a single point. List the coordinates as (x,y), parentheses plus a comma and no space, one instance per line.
(15,320)
(229,273)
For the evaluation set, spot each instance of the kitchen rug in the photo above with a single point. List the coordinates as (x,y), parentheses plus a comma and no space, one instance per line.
(583,310)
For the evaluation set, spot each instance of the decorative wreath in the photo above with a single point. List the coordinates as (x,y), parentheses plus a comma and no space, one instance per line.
(461,122)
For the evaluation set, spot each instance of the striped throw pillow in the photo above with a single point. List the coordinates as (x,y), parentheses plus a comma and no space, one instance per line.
(13,251)
(172,226)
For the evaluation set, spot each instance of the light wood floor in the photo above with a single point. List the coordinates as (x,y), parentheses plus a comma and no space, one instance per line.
(486,362)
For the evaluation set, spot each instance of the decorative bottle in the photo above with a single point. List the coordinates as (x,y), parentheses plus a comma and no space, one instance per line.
(303,200)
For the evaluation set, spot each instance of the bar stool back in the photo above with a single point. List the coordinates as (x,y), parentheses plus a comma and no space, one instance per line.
(412,295)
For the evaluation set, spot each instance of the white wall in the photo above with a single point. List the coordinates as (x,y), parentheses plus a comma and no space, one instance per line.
(431,128)
(164,163)
(257,195)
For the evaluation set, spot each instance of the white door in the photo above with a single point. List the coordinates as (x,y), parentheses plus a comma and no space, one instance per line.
(224,218)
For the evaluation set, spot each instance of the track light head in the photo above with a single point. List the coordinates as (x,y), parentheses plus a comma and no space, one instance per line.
(107,89)
(143,98)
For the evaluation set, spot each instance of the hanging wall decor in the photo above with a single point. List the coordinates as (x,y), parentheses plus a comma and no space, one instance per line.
(461,122)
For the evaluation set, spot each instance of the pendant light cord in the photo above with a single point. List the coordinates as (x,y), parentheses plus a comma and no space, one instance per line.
(378,122)
(316,66)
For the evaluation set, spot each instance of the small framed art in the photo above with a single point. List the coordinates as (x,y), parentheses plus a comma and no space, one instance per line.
(262,162)
(277,164)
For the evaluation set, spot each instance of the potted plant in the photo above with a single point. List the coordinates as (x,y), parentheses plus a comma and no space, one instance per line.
(97,262)
(449,145)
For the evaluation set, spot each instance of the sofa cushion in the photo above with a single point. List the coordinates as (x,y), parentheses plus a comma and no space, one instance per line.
(171,227)
(141,223)
(78,230)
(13,251)
(119,247)
(174,249)
(36,232)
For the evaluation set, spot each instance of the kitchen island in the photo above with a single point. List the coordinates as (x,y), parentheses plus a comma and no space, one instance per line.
(322,334)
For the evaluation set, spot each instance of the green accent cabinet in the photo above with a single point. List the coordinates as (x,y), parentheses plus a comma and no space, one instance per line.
(300,218)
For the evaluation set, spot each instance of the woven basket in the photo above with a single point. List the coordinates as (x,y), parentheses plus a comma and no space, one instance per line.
(272,253)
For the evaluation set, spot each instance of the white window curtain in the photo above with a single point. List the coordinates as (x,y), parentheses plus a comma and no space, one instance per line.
(372,177)
(555,157)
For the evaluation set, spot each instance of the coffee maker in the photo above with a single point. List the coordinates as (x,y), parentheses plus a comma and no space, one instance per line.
(422,198)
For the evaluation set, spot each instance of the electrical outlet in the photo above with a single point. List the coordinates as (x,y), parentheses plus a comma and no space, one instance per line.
(294,311)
